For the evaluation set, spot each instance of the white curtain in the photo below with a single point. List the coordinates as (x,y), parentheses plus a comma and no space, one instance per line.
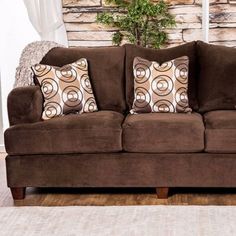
(46,17)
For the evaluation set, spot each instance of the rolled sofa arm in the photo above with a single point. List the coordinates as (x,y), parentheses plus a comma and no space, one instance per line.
(25,105)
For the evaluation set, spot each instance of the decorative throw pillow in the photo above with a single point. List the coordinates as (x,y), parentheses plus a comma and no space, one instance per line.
(66,89)
(160,88)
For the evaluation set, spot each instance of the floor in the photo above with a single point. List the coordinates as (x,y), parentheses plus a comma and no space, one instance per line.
(108,197)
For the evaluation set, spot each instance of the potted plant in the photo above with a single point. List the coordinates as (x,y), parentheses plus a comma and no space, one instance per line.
(141,22)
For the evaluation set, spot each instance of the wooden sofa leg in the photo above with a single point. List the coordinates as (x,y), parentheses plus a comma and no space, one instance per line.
(18,193)
(162,193)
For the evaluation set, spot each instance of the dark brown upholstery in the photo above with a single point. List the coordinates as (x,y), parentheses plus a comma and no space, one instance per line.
(217,83)
(220,120)
(106,70)
(162,132)
(220,131)
(107,149)
(161,56)
(122,170)
(85,133)
(25,105)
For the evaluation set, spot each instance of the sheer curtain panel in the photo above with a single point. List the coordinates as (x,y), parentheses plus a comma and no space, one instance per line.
(46,17)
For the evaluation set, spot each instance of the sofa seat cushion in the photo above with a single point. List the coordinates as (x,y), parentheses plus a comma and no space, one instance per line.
(162,132)
(220,134)
(86,133)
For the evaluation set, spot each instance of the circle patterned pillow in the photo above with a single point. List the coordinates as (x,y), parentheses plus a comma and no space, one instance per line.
(66,89)
(160,87)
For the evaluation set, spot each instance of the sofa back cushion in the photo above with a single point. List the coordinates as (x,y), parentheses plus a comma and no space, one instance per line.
(106,71)
(161,56)
(217,77)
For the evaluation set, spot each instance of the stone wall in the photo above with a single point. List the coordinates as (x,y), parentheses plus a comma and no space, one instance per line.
(82,29)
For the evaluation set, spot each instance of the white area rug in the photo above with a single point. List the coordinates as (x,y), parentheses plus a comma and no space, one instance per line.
(119,221)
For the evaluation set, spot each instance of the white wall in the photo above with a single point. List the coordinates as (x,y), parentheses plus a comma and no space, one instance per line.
(1,123)
(16,33)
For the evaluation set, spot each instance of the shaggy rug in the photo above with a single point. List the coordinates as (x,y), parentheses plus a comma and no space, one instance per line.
(119,221)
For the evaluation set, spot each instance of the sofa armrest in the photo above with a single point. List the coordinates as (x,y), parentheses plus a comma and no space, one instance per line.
(25,105)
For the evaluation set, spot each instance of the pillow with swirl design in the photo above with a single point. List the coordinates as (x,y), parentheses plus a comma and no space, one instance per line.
(65,89)
(160,87)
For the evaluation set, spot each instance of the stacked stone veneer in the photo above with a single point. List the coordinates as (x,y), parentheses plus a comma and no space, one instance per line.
(82,29)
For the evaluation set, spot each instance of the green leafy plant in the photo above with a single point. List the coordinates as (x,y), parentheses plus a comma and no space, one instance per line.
(141,22)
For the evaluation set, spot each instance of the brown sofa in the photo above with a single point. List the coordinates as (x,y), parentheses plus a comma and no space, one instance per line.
(111,148)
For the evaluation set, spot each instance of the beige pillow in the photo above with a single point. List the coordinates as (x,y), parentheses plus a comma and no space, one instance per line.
(160,88)
(66,89)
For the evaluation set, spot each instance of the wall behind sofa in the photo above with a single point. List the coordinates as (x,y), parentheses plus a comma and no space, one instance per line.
(15,35)
(82,30)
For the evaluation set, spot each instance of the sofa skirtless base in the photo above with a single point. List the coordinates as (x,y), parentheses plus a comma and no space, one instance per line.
(160,171)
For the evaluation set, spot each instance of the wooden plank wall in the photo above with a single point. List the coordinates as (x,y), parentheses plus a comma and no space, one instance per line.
(82,29)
